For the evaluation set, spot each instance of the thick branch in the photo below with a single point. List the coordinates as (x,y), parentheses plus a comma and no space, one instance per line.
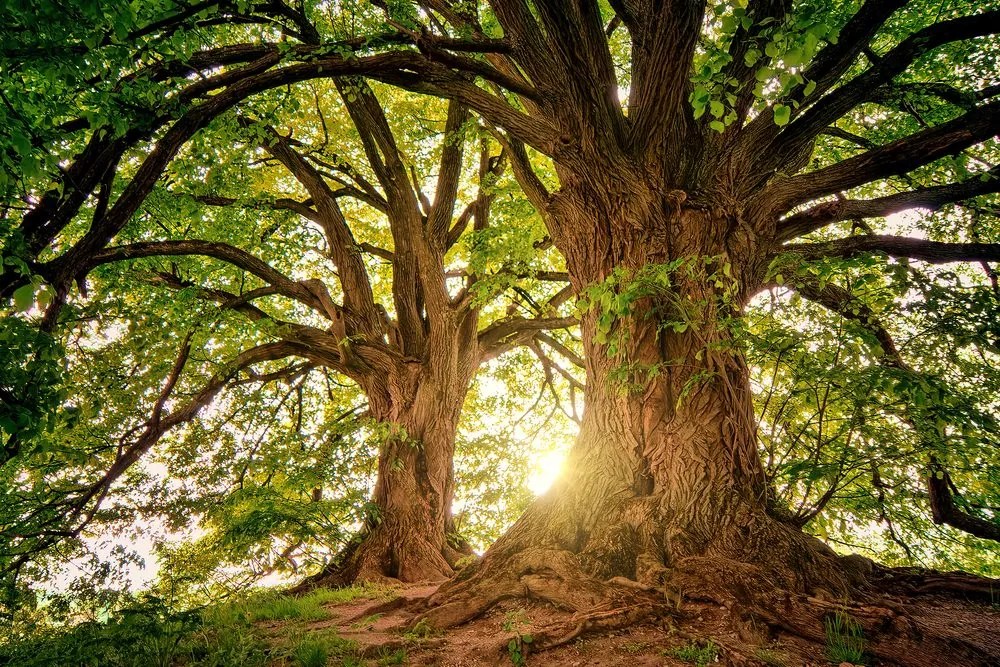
(932,198)
(894,158)
(944,510)
(449,173)
(933,252)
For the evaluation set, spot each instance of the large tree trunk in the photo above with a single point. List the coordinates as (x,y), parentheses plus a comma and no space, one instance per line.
(664,489)
(664,498)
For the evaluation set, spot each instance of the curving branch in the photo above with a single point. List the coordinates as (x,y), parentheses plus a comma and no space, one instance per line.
(942,492)
(932,198)
(895,158)
(406,69)
(510,332)
(841,301)
(222,251)
(932,252)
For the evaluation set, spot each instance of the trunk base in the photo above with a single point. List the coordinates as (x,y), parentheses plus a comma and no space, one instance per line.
(389,554)
(774,580)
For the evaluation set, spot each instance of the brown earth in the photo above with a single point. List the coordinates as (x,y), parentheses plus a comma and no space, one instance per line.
(384,633)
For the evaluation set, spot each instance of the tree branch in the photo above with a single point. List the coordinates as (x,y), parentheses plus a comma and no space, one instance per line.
(945,511)
(932,198)
(932,252)
(897,157)
(510,332)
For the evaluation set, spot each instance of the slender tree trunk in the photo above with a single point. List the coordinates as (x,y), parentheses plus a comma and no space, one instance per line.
(408,536)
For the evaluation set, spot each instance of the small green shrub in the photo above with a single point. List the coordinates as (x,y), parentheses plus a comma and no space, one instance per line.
(397,657)
(422,630)
(845,641)
(311,653)
(517,649)
(697,653)
(232,646)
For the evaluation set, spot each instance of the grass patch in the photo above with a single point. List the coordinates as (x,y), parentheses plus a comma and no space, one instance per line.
(149,634)
(845,641)
(316,649)
(367,621)
(697,653)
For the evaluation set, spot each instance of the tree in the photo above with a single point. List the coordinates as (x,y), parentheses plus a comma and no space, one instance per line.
(412,352)
(692,148)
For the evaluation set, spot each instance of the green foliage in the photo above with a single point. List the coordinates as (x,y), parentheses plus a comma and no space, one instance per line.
(697,653)
(845,640)
(520,643)
(148,632)
(422,629)
(634,647)
(846,436)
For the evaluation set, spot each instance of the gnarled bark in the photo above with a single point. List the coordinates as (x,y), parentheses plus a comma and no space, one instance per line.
(409,536)
(664,496)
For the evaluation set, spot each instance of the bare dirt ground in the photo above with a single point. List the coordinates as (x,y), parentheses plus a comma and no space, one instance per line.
(695,634)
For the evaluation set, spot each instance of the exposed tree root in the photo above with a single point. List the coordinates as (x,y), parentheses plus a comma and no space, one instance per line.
(892,630)
(595,622)
(547,575)
(915,582)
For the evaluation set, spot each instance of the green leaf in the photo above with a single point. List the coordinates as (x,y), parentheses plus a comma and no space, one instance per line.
(782,114)
(24,297)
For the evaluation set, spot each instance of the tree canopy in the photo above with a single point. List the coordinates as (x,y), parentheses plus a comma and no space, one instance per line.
(254,255)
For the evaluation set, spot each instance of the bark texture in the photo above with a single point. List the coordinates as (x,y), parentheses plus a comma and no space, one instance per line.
(663,489)
(410,535)
(664,497)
